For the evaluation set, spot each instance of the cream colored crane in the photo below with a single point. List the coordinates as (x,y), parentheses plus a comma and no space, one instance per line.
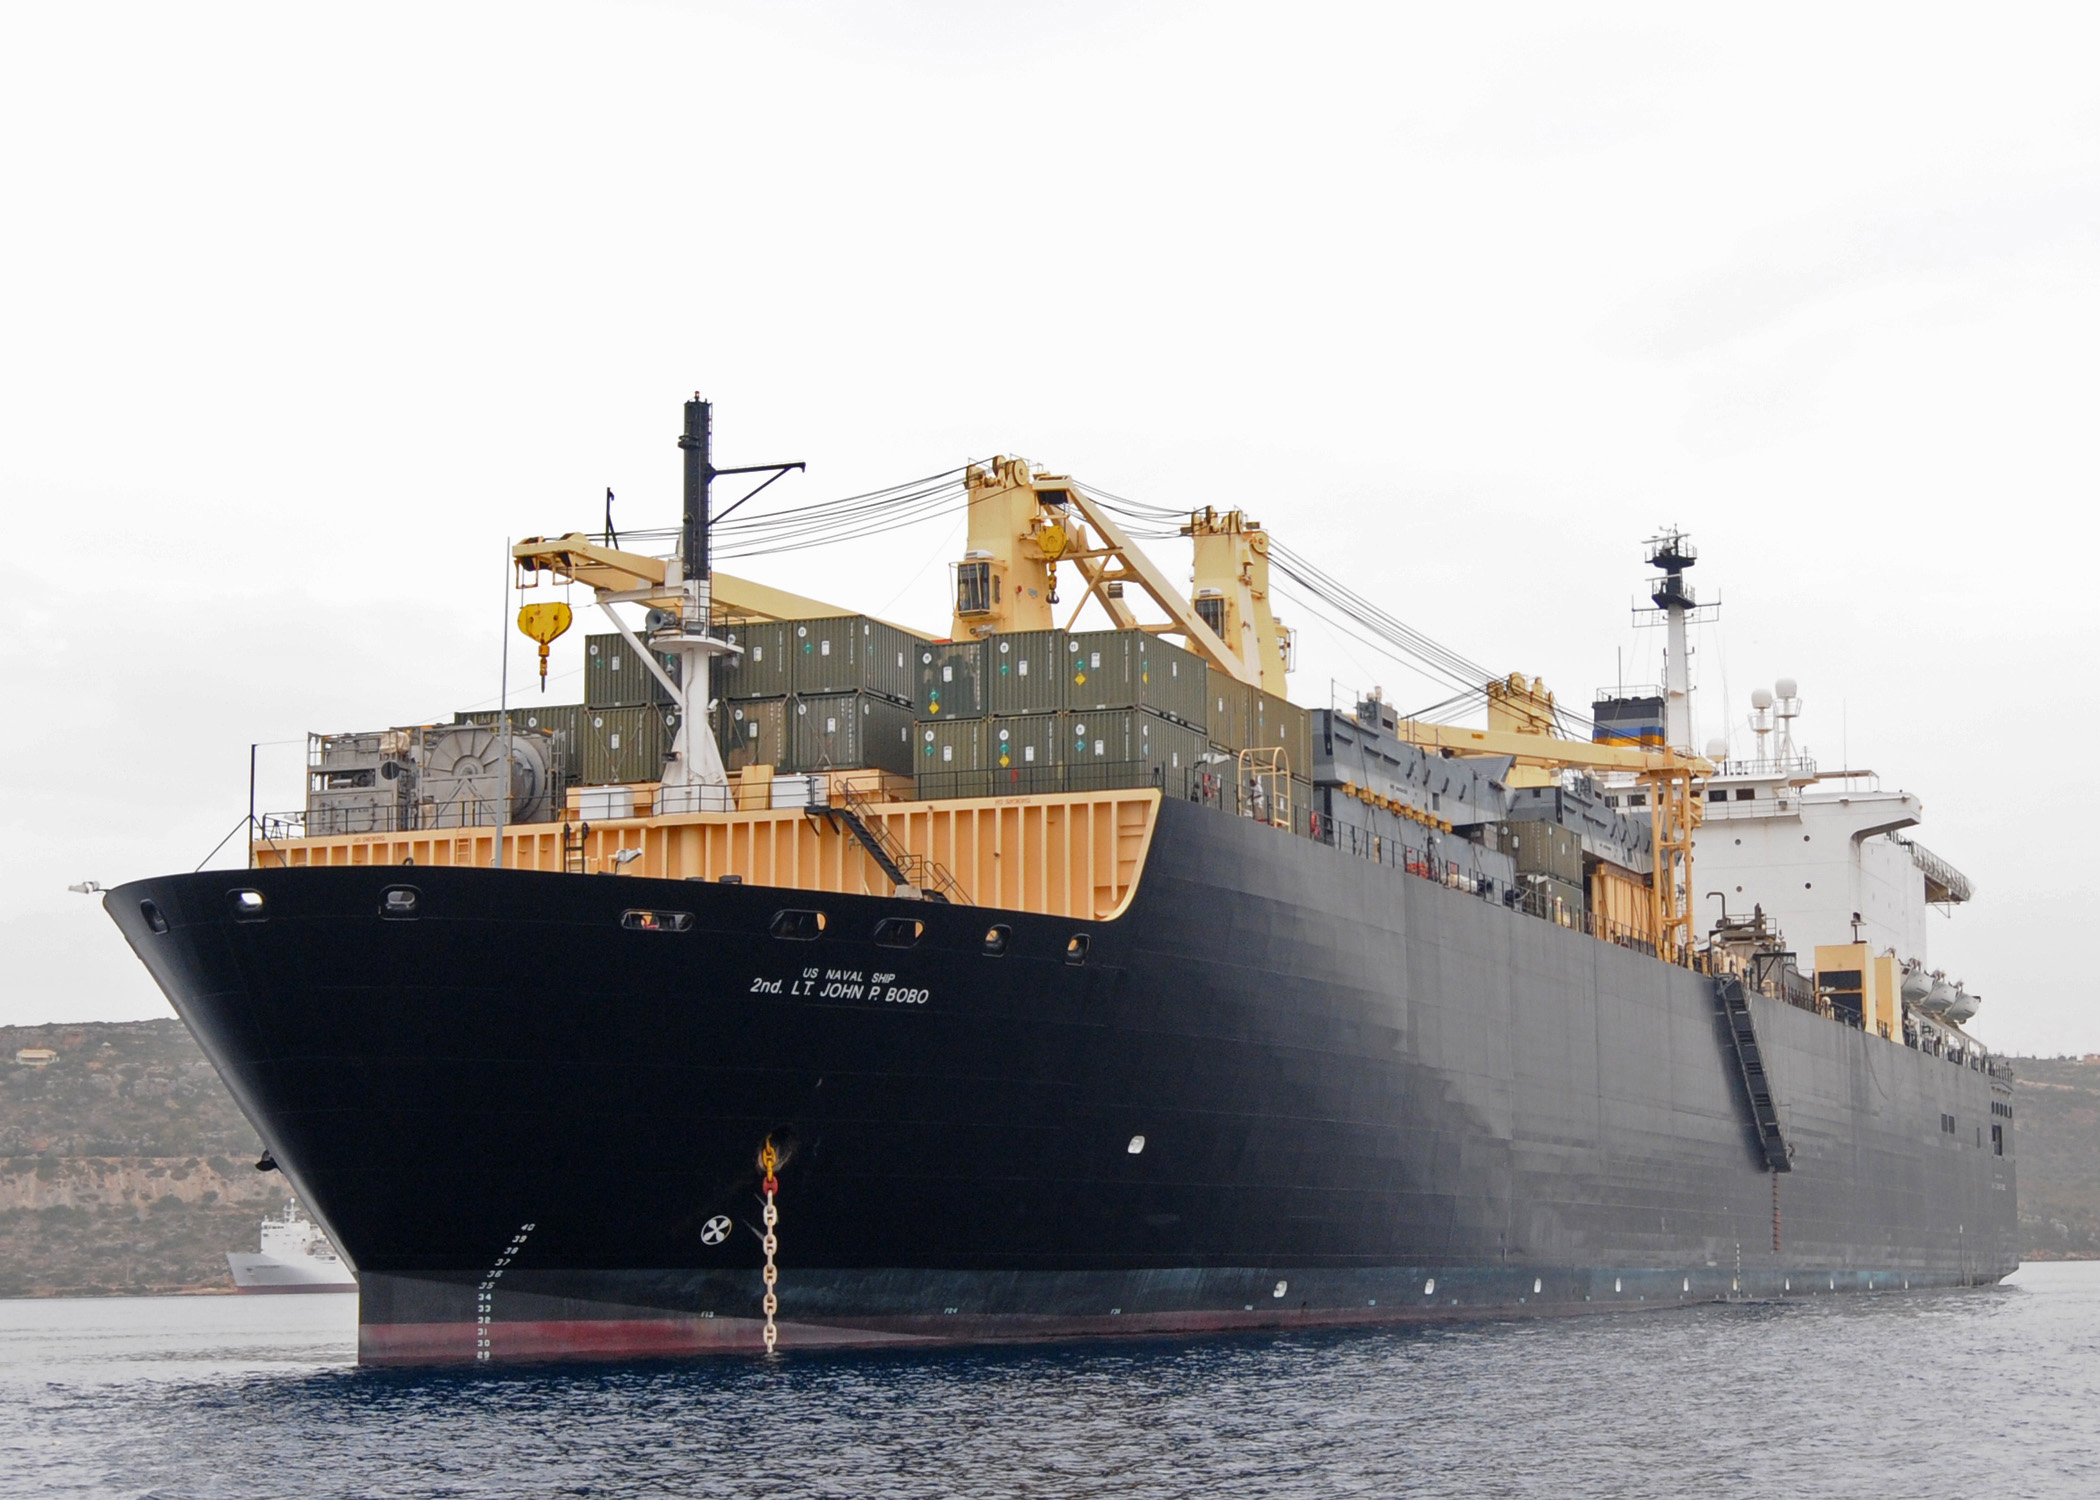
(1023,524)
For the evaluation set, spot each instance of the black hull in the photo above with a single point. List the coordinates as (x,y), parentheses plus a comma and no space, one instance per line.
(1351,1083)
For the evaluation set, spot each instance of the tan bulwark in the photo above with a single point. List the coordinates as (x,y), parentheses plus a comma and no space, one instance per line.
(1061,854)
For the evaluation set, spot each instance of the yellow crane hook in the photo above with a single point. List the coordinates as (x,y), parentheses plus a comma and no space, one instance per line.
(543,623)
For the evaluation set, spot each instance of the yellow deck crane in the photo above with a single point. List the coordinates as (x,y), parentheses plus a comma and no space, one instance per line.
(1521,725)
(1023,523)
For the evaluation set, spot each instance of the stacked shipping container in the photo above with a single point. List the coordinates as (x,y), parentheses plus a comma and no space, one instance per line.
(823,694)
(1047,710)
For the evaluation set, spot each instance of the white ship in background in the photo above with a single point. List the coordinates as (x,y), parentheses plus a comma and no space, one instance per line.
(295,1257)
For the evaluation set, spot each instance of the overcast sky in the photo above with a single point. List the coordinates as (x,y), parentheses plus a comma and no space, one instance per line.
(307,310)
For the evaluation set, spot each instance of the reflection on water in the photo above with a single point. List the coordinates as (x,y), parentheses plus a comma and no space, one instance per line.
(1988,1392)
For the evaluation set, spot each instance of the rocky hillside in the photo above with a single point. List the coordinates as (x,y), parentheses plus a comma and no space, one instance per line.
(2056,1121)
(125,1167)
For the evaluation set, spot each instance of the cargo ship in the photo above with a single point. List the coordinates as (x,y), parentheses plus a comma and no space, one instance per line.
(819,981)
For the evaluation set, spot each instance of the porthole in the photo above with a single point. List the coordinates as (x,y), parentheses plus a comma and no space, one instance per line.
(657,921)
(247,905)
(153,916)
(996,939)
(400,903)
(797,926)
(1075,950)
(898,932)
(1137,1145)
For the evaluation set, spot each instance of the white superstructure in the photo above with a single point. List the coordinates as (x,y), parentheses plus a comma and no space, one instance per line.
(295,1257)
(1827,858)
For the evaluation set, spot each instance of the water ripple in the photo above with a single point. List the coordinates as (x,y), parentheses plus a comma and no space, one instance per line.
(1945,1394)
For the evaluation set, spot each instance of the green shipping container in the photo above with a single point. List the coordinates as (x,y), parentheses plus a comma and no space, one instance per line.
(764,669)
(1544,849)
(853,654)
(1278,722)
(627,744)
(949,746)
(1025,740)
(1230,705)
(1024,672)
(951,680)
(1135,669)
(753,732)
(1163,752)
(614,677)
(851,731)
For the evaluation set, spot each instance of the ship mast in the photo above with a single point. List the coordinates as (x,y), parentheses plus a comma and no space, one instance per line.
(695,760)
(1673,552)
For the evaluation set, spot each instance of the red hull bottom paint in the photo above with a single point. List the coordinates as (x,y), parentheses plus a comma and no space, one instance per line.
(658,1338)
(593,1338)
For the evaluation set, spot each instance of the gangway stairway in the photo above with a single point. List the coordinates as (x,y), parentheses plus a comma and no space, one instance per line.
(1733,1003)
(902,867)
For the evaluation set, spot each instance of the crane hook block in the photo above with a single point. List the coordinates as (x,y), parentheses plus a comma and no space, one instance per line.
(543,623)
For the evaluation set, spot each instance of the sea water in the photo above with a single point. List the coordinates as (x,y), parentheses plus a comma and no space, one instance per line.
(1986,1392)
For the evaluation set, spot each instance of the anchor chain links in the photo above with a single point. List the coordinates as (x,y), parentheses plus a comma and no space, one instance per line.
(770,1160)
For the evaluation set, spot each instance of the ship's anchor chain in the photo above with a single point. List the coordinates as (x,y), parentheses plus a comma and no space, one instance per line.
(769,1159)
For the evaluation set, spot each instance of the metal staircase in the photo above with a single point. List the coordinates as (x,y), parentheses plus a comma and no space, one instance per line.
(904,868)
(1733,1003)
